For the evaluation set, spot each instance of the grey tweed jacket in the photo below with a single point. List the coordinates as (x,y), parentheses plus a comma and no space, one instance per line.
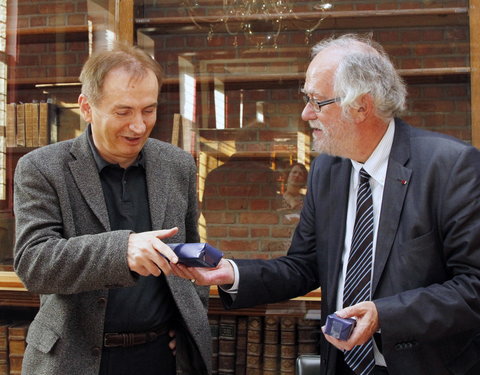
(66,252)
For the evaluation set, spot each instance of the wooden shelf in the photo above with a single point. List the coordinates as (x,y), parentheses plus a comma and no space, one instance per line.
(50,34)
(43,82)
(297,21)
(261,81)
(265,81)
(13,293)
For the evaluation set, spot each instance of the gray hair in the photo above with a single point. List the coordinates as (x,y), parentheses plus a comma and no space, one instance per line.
(366,68)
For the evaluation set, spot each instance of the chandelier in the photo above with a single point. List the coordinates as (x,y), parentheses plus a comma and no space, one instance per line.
(260,21)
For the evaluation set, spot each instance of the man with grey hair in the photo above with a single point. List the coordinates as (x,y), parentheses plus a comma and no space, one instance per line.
(92,217)
(390,228)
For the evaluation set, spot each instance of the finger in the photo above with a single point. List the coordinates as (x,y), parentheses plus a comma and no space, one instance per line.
(165,233)
(172,344)
(152,269)
(181,271)
(164,250)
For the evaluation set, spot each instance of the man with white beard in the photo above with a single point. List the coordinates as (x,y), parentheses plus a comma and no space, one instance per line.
(390,228)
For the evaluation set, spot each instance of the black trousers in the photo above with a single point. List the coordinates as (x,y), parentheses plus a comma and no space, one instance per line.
(343,369)
(153,358)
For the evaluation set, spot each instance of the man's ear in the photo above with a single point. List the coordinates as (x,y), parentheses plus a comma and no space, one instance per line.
(364,108)
(85,108)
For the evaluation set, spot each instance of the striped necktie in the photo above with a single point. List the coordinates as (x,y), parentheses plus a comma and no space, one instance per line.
(359,272)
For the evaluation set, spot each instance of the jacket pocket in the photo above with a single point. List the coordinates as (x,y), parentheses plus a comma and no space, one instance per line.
(41,337)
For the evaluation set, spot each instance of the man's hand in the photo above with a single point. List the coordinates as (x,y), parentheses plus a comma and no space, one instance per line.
(147,255)
(367,324)
(223,274)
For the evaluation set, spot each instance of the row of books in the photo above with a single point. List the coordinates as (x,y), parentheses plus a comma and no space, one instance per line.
(261,345)
(31,124)
(241,345)
(12,346)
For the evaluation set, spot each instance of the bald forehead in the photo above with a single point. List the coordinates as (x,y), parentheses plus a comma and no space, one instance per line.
(320,72)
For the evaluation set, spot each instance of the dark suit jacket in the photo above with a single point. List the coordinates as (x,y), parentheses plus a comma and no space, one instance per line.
(66,252)
(426,282)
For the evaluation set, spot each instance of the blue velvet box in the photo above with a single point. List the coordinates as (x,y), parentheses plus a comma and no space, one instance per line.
(339,328)
(197,254)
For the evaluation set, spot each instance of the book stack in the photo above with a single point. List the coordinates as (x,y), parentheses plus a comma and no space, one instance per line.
(241,345)
(17,334)
(31,124)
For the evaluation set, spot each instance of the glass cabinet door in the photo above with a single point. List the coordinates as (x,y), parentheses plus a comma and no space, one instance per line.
(43,45)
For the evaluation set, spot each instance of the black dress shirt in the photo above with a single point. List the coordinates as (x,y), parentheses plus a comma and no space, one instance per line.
(149,303)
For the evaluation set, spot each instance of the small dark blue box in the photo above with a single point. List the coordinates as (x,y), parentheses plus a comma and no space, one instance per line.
(339,328)
(196,254)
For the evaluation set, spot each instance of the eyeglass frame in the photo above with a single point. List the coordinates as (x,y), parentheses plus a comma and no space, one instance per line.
(318,104)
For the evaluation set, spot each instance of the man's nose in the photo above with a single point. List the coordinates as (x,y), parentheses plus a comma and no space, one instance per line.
(308,113)
(138,124)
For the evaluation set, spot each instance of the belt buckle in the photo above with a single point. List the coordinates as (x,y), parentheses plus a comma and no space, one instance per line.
(105,340)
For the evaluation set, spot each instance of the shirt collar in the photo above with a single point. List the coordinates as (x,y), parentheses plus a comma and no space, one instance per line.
(376,165)
(101,162)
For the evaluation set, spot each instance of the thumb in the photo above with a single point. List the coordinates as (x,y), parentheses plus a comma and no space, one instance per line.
(165,233)
(346,312)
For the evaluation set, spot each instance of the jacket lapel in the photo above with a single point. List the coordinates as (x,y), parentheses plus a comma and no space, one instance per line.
(396,185)
(339,186)
(158,183)
(84,171)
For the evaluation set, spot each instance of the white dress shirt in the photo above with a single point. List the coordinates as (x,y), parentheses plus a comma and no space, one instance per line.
(376,167)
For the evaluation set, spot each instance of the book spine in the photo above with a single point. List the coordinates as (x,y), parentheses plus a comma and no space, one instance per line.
(4,348)
(226,344)
(308,338)
(288,347)
(28,120)
(271,346)
(20,124)
(17,334)
(241,350)
(34,118)
(254,345)
(43,124)
(11,125)
(214,321)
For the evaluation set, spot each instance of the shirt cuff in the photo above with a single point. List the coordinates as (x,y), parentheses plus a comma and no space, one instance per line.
(232,289)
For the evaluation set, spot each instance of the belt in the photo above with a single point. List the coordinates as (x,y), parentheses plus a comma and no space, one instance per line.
(113,340)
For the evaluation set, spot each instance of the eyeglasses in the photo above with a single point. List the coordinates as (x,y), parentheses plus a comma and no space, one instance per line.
(316,104)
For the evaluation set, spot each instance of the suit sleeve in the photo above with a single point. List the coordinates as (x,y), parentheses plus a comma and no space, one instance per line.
(45,260)
(448,257)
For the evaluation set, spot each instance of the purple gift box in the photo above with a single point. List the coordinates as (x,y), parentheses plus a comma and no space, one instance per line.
(339,328)
(196,254)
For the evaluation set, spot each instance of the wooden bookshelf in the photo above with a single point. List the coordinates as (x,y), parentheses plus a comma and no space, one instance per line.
(49,34)
(334,20)
(14,293)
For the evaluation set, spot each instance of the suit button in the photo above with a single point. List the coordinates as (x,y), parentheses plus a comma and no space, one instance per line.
(96,351)
(102,301)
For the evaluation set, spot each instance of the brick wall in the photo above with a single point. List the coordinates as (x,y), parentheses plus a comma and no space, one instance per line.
(37,59)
